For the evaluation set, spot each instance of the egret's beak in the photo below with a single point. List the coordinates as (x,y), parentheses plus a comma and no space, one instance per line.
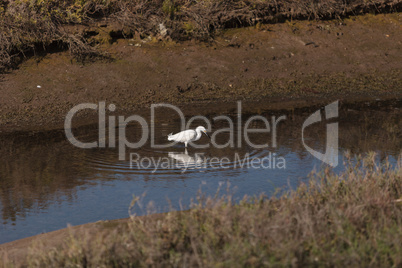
(206,134)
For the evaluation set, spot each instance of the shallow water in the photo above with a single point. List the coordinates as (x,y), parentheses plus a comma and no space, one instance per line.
(47,183)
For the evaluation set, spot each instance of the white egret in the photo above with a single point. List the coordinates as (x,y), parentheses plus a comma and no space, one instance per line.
(188,135)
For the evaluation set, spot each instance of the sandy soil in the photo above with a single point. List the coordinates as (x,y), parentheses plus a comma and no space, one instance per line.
(282,66)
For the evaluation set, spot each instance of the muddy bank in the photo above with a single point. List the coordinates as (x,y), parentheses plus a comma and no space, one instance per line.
(287,65)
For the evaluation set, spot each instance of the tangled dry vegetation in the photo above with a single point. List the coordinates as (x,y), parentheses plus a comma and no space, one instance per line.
(350,220)
(28,26)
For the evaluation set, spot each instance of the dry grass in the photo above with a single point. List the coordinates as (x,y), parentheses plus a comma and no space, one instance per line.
(27,26)
(351,220)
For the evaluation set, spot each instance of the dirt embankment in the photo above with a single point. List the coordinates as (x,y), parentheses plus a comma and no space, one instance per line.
(287,64)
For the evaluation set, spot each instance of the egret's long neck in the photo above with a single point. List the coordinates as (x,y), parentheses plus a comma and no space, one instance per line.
(198,134)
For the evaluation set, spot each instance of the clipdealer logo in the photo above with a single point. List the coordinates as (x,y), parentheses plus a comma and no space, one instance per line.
(330,156)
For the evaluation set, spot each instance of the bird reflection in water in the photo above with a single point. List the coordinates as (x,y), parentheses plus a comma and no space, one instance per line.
(184,160)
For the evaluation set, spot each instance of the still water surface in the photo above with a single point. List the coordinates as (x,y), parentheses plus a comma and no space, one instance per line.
(47,183)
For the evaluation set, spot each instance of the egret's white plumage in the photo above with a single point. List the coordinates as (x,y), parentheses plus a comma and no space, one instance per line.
(188,135)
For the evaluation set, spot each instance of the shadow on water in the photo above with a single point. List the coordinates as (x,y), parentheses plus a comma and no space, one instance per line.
(46,182)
